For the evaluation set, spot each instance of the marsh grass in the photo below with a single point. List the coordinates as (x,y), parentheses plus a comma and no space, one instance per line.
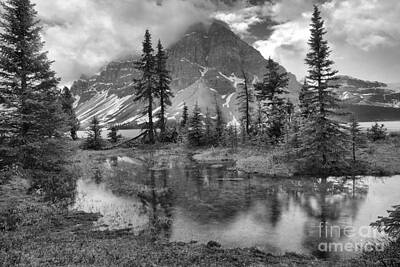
(378,158)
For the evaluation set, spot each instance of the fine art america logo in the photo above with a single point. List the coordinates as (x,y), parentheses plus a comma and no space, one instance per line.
(339,239)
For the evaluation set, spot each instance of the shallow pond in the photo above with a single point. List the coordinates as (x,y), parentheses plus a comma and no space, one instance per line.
(328,218)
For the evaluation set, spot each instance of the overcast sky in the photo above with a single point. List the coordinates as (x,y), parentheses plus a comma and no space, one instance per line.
(83,35)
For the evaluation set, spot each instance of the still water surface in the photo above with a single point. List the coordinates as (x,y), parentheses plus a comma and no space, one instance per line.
(206,202)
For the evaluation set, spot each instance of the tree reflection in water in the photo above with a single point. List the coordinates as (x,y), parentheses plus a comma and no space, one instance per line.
(325,202)
(185,201)
(157,200)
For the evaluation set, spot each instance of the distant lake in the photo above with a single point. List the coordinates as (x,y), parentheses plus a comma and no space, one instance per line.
(391,126)
(125,133)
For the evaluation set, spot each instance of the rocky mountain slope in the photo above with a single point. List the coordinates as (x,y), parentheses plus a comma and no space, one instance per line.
(206,67)
(356,91)
(370,101)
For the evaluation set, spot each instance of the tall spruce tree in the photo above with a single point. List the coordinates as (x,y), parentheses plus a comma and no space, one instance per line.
(67,101)
(146,85)
(356,139)
(219,124)
(270,92)
(323,138)
(33,119)
(163,89)
(274,84)
(195,131)
(245,99)
(27,83)
(304,102)
(185,116)
(94,139)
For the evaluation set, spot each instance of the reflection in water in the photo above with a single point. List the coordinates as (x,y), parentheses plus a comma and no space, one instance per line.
(185,201)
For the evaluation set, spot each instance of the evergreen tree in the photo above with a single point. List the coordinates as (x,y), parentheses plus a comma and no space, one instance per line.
(289,113)
(294,131)
(33,119)
(270,91)
(146,85)
(219,124)
(323,138)
(260,117)
(27,85)
(208,134)
(273,85)
(94,139)
(355,133)
(304,102)
(163,89)
(377,132)
(67,101)
(289,109)
(113,135)
(195,131)
(231,136)
(245,99)
(185,116)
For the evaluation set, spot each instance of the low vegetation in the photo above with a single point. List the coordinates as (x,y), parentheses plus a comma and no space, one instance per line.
(378,158)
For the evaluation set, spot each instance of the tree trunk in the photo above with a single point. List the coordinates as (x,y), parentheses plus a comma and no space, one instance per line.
(246,89)
(150,114)
(162,117)
(354,150)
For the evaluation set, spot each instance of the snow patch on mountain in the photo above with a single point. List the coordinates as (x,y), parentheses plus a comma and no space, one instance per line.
(134,118)
(76,102)
(346,95)
(233,79)
(228,100)
(203,70)
(103,106)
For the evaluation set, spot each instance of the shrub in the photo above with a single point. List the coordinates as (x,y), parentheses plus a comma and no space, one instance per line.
(113,135)
(390,224)
(377,132)
(170,136)
(10,218)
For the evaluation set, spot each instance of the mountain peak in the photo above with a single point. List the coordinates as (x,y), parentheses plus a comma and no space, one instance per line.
(206,66)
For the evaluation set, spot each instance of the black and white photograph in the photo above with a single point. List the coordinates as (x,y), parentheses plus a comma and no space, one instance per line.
(200,133)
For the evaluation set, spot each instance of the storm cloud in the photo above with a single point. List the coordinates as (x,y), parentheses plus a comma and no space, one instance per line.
(363,34)
(84,35)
